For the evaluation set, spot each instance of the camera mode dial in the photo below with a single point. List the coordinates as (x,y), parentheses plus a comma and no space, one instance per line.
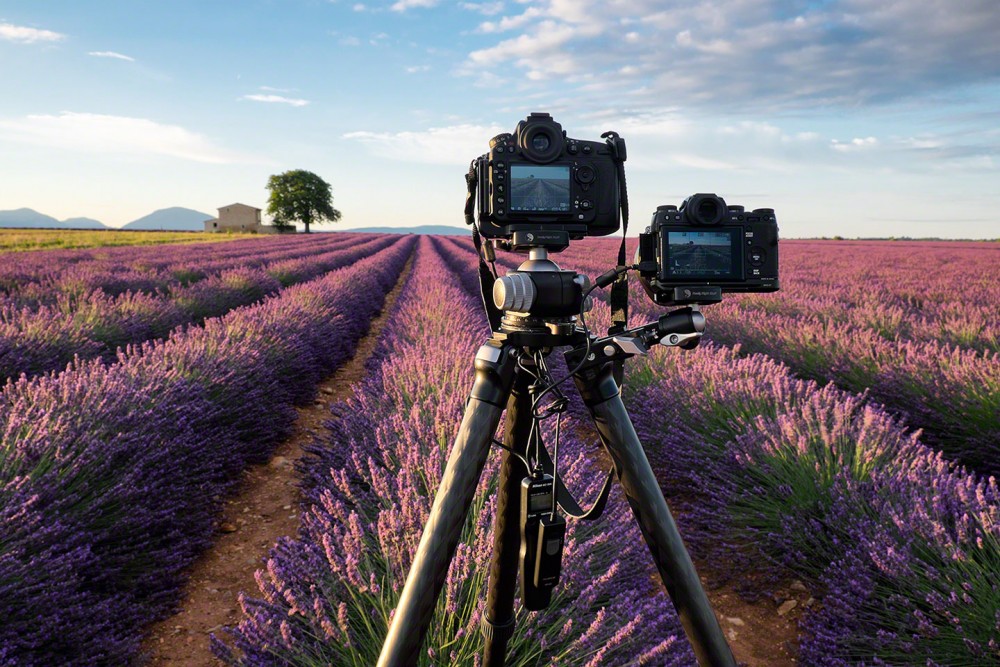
(502,138)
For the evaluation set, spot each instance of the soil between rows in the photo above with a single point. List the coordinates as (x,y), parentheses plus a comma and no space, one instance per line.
(264,508)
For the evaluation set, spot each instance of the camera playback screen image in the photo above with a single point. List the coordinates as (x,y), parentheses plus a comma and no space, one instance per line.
(700,254)
(539,188)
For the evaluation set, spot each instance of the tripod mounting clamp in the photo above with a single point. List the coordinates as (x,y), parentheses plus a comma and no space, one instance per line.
(681,328)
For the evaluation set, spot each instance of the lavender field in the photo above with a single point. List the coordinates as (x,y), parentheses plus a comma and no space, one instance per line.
(842,432)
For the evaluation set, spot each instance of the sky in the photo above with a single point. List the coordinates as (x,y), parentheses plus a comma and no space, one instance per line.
(855,118)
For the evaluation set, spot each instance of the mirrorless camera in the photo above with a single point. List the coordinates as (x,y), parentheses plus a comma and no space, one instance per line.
(540,182)
(694,253)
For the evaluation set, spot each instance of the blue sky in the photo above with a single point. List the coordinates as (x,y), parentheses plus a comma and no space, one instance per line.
(849,117)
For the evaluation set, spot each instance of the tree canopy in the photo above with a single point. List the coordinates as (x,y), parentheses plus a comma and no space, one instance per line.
(300,196)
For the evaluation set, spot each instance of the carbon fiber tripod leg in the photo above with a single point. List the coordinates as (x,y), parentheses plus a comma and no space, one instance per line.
(600,393)
(494,375)
(498,621)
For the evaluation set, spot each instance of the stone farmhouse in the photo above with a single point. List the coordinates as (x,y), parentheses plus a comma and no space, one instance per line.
(239,218)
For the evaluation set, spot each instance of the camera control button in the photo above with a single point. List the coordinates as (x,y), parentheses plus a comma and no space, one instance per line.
(587,150)
(585,174)
(500,200)
(500,187)
(756,256)
(573,149)
(501,165)
(586,204)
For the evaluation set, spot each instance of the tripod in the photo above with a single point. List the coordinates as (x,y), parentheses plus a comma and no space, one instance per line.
(501,382)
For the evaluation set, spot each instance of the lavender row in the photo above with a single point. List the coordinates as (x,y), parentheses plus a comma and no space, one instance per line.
(47,278)
(110,474)
(34,341)
(773,472)
(775,477)
(327,596)
(952,393)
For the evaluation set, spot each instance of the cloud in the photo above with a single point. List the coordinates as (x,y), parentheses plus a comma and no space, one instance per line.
(98,133)
(276,99)
(417,68)
(403,5)
(25,35)
(454,145)
(748,53)
(484,8)
(856,144)
(111,54)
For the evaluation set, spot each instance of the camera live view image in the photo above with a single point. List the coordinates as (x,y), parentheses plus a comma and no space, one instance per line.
(539,188)
(702,254)
(411,333)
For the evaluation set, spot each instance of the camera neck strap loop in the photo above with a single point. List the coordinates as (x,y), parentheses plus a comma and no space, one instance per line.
(619,290)
(486,276)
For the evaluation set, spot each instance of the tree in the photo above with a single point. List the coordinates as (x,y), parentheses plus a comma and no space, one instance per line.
(300,196)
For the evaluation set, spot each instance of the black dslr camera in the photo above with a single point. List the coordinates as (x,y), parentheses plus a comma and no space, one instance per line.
(539,182)
(692,254)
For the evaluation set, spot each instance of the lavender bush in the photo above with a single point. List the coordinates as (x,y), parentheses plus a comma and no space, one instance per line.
(109,474)
(328,595)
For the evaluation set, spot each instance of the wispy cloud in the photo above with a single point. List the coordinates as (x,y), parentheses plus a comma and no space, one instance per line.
(403,5)
(98,133)
(414,69)
(276,99)
(485,8)
(454,145)
(26,35)
(111,54)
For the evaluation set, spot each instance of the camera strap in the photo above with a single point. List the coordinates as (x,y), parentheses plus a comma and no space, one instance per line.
(486,276)
(619,290)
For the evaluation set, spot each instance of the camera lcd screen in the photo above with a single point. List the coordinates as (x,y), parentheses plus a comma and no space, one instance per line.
(538,502)
(539,188)
(693,254)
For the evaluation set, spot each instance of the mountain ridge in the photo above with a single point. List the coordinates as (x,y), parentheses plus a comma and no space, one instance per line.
(174,218)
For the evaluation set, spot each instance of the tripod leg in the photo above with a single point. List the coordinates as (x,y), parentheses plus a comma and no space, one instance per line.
(600,393)
(498,621)
(494,375)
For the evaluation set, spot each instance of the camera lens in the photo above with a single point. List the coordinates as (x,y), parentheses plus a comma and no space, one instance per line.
(541,142)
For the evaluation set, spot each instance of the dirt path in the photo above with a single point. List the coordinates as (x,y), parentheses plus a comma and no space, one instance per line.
(763,633)
(264,509)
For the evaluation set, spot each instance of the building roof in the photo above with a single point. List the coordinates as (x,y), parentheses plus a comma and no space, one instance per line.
(239,204)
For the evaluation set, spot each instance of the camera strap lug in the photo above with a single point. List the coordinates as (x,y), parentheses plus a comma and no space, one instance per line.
(618,299)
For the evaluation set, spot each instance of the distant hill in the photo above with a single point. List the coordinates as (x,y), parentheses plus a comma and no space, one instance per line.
(29,218)
(83,223)
(446,230)
(172,219)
